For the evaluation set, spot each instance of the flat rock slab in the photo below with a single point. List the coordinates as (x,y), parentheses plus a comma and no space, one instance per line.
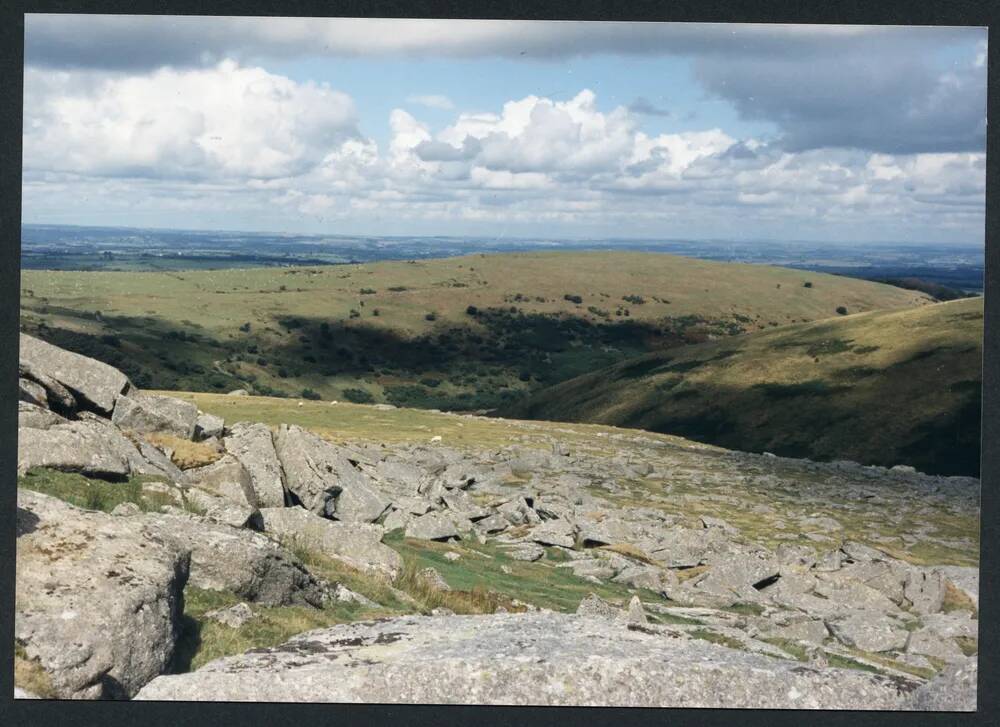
(523,659)
(149,413)
(74,447)
(98,597)
(357,544)
(96,383)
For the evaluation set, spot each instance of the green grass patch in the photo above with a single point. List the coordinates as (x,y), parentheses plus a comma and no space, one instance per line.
(203,639)
(92,494)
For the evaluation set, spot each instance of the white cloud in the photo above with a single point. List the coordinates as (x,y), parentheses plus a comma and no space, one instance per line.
(234,142)
(225,121)
(433,101)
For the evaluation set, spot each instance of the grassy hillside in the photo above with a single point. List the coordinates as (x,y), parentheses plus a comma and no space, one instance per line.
(888,387)
(464,333)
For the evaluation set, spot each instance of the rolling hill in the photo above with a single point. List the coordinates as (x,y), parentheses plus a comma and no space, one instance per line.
(466,333)
(885,387)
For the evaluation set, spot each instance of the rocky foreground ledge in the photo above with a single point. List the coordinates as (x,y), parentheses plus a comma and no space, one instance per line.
(539,659)
(750,581)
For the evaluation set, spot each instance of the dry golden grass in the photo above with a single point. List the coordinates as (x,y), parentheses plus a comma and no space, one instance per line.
(30,676)
(186,454)
(687,574)
(475,600)
(957,600)
(629,551)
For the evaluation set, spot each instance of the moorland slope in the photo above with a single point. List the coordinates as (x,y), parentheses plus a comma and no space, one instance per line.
(465,333)
(885,388)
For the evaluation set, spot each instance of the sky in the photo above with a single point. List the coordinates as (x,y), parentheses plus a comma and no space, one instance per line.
(576,130)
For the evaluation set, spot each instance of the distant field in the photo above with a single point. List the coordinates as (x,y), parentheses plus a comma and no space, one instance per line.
(889,387)
(465,333)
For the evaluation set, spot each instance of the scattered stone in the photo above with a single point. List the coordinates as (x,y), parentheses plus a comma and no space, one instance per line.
(527,552)
(126,509)
(596,607)
(555,532)
(226,478)
(431,577)
(238,392)
(432,526)
(233,617)
(869,631)
(452,556)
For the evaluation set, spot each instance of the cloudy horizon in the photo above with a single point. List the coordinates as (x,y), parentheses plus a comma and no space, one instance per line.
(506,128)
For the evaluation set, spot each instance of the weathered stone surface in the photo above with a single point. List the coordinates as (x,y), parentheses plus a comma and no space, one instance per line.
(869,631)
(98,597)
(460,503)
(492,524)
(58,397)
(634,614)
(32,393)
(924,589)
(434,579)
(555,532)
(150,413)
(252,566)
(208,426)
(592,567)
(234,616)
(357,544)
(35,417)
(432,526)
(73,447)
(253,446)
(929,643)
(527,552)
(646,576)
(359,503)
(453,660)
(226,478)
(954,690)
(396,520)
(91,382)
(596,607)
(233,515)
(322,477)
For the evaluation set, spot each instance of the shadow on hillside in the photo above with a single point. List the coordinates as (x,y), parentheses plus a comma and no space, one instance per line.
(868,415)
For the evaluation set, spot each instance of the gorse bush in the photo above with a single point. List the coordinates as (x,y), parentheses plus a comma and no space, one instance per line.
(358,396)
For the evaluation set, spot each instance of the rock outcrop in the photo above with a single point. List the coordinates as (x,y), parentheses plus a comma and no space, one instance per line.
(94,384)
(253,446)
(225,558)
(148,414)
(357,544)
(558,659)
(99,597)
